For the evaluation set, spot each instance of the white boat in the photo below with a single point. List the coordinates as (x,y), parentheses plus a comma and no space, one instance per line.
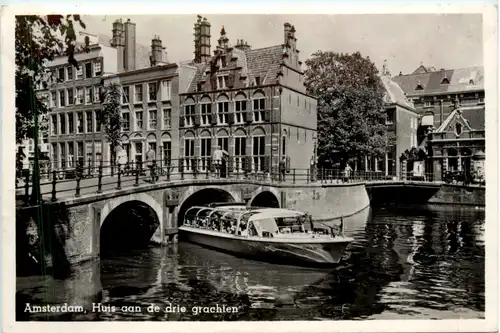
(269,234)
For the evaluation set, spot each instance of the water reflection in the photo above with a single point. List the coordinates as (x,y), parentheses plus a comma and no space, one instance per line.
(414,262)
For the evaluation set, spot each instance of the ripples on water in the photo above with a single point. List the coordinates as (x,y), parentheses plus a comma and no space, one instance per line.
(406,262)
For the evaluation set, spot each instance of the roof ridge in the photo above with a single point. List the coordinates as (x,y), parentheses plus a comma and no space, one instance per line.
(450,69)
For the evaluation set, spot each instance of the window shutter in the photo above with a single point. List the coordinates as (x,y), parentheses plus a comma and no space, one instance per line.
(231,118)
(267,160)
(248,116)
(288,162)
(197,120)
(213,118)
(181,121)
(267,115)
(247,164)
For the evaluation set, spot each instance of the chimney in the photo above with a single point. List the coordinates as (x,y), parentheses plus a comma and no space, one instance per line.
(156,51)
(129,55)
(385,69)
(242,45)
(287,29)
(201,40)
(223,40)
(118,42)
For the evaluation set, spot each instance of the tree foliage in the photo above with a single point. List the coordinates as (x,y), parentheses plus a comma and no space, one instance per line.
(111,113)
(39,39)
(351,116)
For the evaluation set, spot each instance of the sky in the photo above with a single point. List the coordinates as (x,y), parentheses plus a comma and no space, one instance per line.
(405,40)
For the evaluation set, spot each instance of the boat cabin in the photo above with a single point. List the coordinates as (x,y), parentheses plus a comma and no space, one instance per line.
(243,221)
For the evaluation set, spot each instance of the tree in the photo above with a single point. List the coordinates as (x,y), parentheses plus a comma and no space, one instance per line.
(351,115)
(111,117)
(38,40)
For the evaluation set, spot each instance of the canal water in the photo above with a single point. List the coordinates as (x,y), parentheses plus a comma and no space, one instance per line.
(406,263)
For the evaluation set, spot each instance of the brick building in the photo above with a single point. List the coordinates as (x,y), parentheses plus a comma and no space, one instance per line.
(451,106)
(75,127)
(251,102)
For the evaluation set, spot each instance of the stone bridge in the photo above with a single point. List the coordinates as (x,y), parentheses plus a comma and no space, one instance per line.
(82,228)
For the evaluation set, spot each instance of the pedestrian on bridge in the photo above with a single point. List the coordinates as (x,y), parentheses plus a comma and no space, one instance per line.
(150,161)
(121,158)
(217,159)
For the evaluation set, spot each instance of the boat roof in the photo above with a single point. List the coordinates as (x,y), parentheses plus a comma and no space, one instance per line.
(275,213)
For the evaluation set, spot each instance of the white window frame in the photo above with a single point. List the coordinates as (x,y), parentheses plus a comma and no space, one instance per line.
(222,116)
(123,94)
(94,67)
(205,117)
(258,114)
(238,159)
(169,109)
(87,89)
(126,129)
(78,101)
(149,120)
(136,125)
(135,93)
(156,92)
(96,98)
(166,93)
(189,119)
(222,81)
(79,72)
(238,115)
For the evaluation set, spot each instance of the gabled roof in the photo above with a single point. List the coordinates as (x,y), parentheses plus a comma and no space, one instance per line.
(423,69)
(394,94)
(264,63)
(455,116)
(460,80)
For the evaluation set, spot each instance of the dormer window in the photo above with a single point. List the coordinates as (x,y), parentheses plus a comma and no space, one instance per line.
(219,62)
(458,129)
(419,87)
(222,82)
(257,80)
(445,81)
(471,81)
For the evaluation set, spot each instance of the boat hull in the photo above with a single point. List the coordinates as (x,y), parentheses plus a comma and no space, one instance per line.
(318,253)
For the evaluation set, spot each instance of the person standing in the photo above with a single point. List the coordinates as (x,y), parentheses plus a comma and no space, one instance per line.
(121,158)
(347,172)
(282,169)
(217,159)
(150,161)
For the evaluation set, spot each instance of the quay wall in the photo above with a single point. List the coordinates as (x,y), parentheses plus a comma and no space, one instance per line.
(459,195)
(328,201)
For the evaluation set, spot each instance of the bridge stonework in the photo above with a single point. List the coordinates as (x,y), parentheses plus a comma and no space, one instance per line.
(72,226)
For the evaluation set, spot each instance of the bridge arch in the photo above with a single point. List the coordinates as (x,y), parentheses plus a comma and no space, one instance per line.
(203,196)
(266,197)
(129,222)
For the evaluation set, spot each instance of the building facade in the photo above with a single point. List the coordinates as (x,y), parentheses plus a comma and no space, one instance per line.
(445,99)
(250,102)
(75,126)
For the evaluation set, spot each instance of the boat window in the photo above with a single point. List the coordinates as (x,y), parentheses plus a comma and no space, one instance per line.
(267,225)
(251,230)
(291,224)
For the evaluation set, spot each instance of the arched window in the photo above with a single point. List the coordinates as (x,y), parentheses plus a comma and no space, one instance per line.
(189,111)
(240,108)
(222,110)
(283,142)
(206,110)
(166,149)
(240,149)
(205,149)
(458,129)
(259,106)
(258,149)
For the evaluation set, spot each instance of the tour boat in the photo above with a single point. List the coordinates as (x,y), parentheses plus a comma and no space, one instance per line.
(268,234)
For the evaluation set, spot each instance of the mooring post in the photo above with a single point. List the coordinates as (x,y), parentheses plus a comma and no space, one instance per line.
(27,185)
(54,182)
(99,180)
(119,180)
(77,193)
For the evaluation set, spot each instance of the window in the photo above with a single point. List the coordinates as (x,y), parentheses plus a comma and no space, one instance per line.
(480,100)
(96,94)
(471,81)
(257,80)
(419,87)
(445,81)
(88,115)
(165,90)
(79,122)
(206,110)
(390,117)
(189,115)
(188,152)
(79,72)
(62,156)
(98,151)
(240,150)
(221,82)
(126,121)
(138,152)
(88,95)
(283,145)
(71,155)
(62,123)
(167,118)
(206,152)
(53,128)
(98,120)
(71,123)
(53,99)
(151,91)
(97,68)
(61,75)
(138,120)
(167,152)
(88,70)
(125,95)
(259,144)
(458,129)
(259,109)
(152,119)
(79,95)
(53,153)
(240,108)
(138,93)
(71,98)
(79,152)
(89,152)
(69,72)
(62,98)
(222,113)
(428,104)
(223,142)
